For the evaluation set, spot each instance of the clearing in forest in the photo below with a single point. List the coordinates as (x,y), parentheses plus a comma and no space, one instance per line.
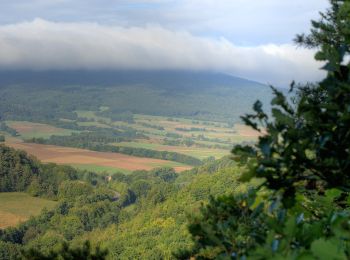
(37,130)
(17,207)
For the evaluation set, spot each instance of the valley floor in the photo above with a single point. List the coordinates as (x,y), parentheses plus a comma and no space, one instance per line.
(86,159)
(185,137)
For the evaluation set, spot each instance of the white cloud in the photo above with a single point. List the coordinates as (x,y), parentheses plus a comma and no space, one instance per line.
(41,44)
(242,21)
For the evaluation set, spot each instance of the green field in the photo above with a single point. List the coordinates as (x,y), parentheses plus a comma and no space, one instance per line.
(200,153)
(213,130)
(138,145)
(99,169)
(170,164)
(17,207)
(195,138)
(91,115)
(110,170)
(94,123)
(29,130)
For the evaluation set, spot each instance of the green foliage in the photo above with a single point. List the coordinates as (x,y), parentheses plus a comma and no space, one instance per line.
(69,190)
(16,170)
(50,240)
(156,225)
(66,252)
(9,251)
(70,226)
(166,174)
(19,172)
(158,127)
(228,226)
(139,215)
(307,146)
(34,188)
(303,161)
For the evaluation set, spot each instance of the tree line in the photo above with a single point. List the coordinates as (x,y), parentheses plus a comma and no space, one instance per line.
(99,142)
(22,173)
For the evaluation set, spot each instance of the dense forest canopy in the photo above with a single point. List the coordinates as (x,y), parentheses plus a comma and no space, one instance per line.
(142,214)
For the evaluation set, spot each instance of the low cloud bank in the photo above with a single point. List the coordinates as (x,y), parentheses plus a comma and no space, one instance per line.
(42,45)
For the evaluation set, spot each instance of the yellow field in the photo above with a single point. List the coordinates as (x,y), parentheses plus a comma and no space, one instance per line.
(17,207)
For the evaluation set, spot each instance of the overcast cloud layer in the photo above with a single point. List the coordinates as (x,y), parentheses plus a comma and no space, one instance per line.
(247,38)
(245,22)
(45,45)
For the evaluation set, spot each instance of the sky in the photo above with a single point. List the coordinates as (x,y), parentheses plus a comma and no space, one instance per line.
(246,38)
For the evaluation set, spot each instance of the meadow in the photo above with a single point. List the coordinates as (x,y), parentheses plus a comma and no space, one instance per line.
(36,130)
(200,153)
(17,207)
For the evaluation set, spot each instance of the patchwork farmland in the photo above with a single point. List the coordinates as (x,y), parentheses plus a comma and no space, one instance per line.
(197,139)
(81,158)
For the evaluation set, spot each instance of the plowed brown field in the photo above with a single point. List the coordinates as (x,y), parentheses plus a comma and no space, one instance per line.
(66,155)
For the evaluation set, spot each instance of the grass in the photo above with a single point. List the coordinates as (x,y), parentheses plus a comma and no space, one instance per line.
(200,153)
(170,164)
(94,123)
(103,108)
(99,169)
(86,114)
(138,145)
(178,120)
(91,115)
(110,170)
(17,207)
(212,129)
(35,130)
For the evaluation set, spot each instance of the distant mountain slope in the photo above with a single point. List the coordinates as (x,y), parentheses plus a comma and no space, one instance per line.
(200,95)
(164,79)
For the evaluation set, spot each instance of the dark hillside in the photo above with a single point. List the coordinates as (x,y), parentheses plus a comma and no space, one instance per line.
(199,95)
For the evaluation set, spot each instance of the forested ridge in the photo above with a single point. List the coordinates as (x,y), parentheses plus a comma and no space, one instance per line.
(54,95)
(139,215)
